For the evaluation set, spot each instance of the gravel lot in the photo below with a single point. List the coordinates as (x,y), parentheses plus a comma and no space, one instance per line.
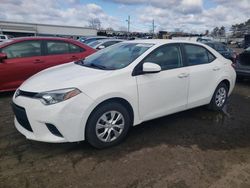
(195,148)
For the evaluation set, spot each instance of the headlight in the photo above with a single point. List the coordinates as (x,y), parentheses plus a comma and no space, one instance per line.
(56,96)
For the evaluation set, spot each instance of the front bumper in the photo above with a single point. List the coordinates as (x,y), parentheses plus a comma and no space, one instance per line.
(61,122)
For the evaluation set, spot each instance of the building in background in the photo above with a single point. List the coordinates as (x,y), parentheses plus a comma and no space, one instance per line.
(20,29)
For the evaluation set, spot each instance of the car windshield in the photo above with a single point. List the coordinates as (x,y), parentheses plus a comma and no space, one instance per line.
(89,40)
(115,57)
(94,43)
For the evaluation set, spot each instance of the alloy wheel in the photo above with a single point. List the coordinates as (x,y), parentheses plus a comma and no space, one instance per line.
(110,126)
(220,97)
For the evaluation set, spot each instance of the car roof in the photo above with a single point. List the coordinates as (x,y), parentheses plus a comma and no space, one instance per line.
(163,41)
(95,37)
(110,39)
(41,38)
(20,39)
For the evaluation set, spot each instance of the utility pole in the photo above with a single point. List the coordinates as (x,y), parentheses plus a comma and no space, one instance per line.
(153,27)
(128,20)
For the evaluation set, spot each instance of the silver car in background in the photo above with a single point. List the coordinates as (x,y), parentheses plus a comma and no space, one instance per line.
(104,43)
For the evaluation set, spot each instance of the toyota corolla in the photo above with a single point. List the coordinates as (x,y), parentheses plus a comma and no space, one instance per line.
(99,98)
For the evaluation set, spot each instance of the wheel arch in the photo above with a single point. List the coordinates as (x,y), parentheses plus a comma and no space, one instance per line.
(227,82)
(120,100)
(223,80)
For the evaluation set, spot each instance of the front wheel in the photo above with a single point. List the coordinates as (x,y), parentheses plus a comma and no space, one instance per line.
(108,125)
(219,98)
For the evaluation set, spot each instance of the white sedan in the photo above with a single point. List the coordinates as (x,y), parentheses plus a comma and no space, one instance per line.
(99,98)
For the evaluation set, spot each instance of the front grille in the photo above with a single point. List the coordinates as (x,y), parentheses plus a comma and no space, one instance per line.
(21,117)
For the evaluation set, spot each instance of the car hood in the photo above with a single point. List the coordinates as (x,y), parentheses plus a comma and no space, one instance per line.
(63,76)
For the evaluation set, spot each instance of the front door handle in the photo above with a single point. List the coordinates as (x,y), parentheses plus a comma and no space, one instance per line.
(73,57)
(183,75)
(38,61)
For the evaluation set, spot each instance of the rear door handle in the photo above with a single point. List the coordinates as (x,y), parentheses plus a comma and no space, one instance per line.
(216,68)
(183,75)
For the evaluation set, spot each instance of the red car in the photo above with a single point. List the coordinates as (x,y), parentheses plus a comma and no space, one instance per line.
(21,58)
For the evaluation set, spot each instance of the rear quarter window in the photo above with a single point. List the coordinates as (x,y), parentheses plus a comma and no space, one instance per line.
(75,49)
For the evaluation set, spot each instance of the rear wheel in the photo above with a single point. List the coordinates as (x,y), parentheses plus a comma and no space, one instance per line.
(220,97)
(108,125)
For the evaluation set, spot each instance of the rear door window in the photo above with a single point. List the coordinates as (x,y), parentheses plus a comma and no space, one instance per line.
(57,47)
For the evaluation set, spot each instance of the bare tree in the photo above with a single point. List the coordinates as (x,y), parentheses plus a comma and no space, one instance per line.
(206,33)
(222,32)
(239,30)
(95,23)
(215,32)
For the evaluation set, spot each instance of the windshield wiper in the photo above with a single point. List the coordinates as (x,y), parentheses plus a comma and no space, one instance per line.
(80,62)
(97,66)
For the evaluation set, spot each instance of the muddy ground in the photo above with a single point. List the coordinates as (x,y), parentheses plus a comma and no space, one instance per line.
(195,148)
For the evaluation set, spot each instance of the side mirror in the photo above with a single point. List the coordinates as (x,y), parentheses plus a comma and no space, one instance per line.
(148,67)
(3,56)
(101,47)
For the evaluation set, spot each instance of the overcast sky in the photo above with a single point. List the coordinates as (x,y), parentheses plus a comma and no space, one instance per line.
(170,15)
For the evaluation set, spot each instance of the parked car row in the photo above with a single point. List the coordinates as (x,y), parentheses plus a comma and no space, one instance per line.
(223,50)
(241,62)
(21,58)
(88,40)
(24,57)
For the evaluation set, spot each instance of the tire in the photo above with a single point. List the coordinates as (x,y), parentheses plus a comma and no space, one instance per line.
(101,132)
(219,98)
